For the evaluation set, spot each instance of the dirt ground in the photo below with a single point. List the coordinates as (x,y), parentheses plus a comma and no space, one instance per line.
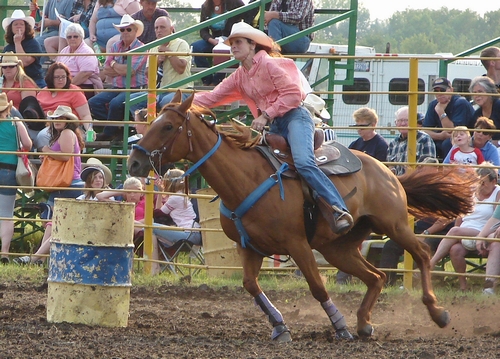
(202,322)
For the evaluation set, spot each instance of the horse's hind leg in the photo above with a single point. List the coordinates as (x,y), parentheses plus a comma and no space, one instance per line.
(252,262)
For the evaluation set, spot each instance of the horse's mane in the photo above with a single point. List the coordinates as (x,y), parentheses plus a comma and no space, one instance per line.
(240,136)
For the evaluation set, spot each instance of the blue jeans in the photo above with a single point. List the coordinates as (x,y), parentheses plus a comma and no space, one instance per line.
(8,178)
(77,184)
(297,127)
(108,106)
(161,100)
(279,30)
(200,61)
(176,236)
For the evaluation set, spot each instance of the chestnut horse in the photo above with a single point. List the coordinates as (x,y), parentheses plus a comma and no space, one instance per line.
(377,202)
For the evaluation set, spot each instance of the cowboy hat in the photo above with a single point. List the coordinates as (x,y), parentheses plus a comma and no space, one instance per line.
(127,20)
(4,102)
(94,164)
(242,29)
(17,15)
(316,105)
(62,111)
(30,109)
(9,59)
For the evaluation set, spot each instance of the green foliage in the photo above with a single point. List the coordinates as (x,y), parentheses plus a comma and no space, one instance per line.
(182,20)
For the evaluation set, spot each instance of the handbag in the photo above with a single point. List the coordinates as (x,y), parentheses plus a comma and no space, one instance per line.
(54,173)
(25,171)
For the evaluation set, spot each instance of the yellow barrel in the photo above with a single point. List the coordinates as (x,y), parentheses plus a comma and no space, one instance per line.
(91,258)
(218,249)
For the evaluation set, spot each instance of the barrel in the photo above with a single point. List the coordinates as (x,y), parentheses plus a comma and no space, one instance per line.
(91,258)
(218,249)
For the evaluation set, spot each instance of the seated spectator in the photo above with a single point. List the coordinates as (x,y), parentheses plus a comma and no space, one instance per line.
(482,141)
(105,16)
(488,106)
(65,137)
(369,141)
(14,77)
(397,150)
(446,111)
(20,39)
(84,69)
(173,68)
(463,153)
(109,105)
(209,35)
(286,18)
(471,224)
(179,208)
(491,250)
(8,165)
(97,178)
(140,124)
(148,16)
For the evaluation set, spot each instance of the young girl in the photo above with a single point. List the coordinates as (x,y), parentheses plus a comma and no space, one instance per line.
(179,208)
(464,153)
(95,181)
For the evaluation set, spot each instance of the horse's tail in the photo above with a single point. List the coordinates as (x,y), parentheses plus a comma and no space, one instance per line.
(446,193)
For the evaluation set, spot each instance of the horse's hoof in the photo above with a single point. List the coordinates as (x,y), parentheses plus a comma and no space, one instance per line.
(343,334)
(281,334)
(366,332)
(444,319)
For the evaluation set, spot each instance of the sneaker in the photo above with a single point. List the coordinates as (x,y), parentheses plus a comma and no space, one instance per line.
(22,260)
(4,260)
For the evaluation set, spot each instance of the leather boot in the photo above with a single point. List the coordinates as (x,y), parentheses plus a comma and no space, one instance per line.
(340,221)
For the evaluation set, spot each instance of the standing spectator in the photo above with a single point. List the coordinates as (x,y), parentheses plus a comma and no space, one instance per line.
(446,111)
(492,66)
(14,77)
(8,165)
(286,18)
(398,147)
(84,69)
(369,141)
(174,68)
(489,106)
(109,105)
(20,39)
(148,15)
(209,35)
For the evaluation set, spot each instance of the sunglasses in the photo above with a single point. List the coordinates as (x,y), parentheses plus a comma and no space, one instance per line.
(72,37)
(483,132)
(60,77)
(439,89)
(128,29)
(9,67)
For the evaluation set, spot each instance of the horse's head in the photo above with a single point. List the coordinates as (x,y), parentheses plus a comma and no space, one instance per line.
(167,140)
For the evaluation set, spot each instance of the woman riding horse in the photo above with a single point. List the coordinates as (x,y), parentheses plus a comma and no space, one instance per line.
(271,87)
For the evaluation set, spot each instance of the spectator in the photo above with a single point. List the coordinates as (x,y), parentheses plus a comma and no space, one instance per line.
(8,165)
(106,14)
(14,77)
(446,111)
(148,15)
(286,18)
(97,178)
(463,152)
(65,137)
(58,79)
(179,208)
(489,106)
(482,140)
(492,66)
(279,100)
(174,68)
(369,141)
(84,69)
(20,39)
(109,105)
(209,35)
(471,224)
(398,148)
(491,250)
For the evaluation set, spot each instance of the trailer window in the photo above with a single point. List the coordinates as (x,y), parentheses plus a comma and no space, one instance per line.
(402,84)
(360,85)
(461,85)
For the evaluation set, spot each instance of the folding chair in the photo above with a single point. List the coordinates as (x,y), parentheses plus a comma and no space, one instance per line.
(173,251)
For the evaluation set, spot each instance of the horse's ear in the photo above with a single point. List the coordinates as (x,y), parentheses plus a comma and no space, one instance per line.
(186,105)
(177,97)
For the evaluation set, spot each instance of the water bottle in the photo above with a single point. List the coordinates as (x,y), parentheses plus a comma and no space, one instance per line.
(1,82)
(90,134)
(97,51)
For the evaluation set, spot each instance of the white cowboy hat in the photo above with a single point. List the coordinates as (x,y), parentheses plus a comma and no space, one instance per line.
(62,111)
(4,102)
(17,15)
(94,164)
(127,20)
(10,59)
(316,105)
(242,29)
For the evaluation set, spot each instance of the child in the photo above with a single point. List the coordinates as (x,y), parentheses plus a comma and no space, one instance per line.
(95,180)
(462,152)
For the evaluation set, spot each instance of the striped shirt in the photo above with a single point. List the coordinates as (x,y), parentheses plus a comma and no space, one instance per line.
(139,79)
(398,150)
(295,12)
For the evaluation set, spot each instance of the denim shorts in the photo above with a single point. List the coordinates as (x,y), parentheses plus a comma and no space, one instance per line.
(7,178)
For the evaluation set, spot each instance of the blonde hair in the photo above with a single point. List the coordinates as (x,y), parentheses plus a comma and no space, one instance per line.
(132,183)
(173,180)
(365,114)
(460,129)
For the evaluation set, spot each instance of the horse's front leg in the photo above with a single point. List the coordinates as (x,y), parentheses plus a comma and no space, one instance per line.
(252,262)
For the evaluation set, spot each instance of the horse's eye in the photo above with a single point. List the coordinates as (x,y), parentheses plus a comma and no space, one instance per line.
(168,127)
